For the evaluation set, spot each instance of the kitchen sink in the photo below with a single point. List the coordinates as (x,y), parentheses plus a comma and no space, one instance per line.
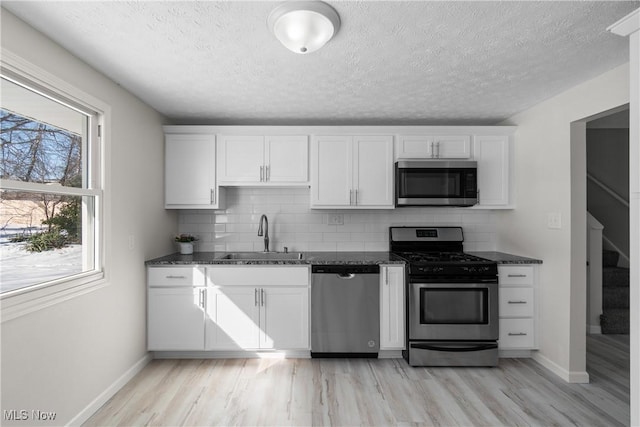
(264,256)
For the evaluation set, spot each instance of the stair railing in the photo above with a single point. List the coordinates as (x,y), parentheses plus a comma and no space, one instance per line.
(608,190)
(594,274)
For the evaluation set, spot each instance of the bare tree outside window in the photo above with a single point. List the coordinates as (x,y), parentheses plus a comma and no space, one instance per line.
(47,207)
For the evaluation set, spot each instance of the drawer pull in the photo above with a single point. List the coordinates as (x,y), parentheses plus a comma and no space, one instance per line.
(517,334)
(517,302)
(516,275)
(176,277)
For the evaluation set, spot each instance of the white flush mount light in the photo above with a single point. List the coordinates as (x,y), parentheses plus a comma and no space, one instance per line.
(304,26)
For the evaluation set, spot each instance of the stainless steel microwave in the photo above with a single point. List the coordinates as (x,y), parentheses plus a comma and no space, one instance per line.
(436,183)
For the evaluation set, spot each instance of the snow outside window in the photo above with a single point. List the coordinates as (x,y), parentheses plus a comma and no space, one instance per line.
(50,190)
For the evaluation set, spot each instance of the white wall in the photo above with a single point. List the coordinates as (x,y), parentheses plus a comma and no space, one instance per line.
(550,177)
(294,225)
(62,357)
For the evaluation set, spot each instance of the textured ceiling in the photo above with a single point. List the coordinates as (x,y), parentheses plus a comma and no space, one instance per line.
(396,62)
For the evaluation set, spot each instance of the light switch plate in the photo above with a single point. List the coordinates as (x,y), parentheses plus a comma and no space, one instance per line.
(554,220)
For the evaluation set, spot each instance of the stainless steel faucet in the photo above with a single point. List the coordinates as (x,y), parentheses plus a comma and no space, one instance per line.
(266,231)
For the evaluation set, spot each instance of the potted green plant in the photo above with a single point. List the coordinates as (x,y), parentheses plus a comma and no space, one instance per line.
(185,241)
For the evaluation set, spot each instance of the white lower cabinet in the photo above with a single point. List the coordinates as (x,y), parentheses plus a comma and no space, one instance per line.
(175,319)
(240,308)
(257,307)
(175,312)
(241,317)
(392,303)
(517,307)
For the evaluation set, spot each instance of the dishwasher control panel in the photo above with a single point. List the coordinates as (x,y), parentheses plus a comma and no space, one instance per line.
(347,269)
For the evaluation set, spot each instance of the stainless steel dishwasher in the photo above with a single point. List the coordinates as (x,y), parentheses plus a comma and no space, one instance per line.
(345,310)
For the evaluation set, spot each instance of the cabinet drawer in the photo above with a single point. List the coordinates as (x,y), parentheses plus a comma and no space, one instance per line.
(516,302)
(257,276)
(517,334)
(159,277)
(512,275)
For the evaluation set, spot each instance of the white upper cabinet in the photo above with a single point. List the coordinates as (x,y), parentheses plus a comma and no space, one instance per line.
(190,172)
(433,147)
(263,160)
(492,155)
(352,172)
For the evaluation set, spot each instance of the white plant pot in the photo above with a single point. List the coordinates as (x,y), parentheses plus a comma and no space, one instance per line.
(186,248)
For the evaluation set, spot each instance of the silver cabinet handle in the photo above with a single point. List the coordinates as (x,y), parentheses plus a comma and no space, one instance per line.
(387,275)
(432,151)
(516,275)
(437,150)
(201,298)
(176,277)
(267,174)
(213,196)
(262,297)
(255,296)
(517,334)
(261,173)
(516,302)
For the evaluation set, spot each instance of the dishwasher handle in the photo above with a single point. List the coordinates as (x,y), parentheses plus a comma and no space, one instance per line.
(346,276)
(345,269)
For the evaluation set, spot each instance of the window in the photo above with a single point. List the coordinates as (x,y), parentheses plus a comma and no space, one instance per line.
(50,190)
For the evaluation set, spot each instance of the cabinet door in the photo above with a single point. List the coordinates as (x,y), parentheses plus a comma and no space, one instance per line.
(284,318)
(331,171)
(175,319)
(232,318)
(492,155)
(286,159)
(414,147)
(452,147)
(392,308)
(240,159)
(190,171)
(373,171)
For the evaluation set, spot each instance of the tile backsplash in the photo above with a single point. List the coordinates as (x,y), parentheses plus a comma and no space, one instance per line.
(294,225)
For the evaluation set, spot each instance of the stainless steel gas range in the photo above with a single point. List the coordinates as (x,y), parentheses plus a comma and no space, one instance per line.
(452,299)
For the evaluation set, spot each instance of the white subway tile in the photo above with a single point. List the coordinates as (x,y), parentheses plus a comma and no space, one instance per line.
(350,246)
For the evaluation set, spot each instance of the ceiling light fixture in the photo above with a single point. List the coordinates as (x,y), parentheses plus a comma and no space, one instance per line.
(304,26)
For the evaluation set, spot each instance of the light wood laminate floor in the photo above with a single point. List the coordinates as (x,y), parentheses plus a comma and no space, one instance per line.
(382,392)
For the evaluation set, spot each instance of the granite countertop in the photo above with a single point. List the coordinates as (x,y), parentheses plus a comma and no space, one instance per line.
(503,258)
(315,258)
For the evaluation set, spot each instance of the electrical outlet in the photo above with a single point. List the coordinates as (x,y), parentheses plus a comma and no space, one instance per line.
(335,219)
(554,220)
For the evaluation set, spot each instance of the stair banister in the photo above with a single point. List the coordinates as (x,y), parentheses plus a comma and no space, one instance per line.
(594,274)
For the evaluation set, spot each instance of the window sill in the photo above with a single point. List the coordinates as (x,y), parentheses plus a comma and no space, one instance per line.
(24,301)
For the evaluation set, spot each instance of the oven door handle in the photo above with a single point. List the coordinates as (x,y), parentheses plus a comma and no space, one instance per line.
(460,348)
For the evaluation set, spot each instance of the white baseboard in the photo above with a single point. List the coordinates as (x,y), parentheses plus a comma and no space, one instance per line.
(594,329)
(97,403)
(568,376)
(233,354)
(511,354)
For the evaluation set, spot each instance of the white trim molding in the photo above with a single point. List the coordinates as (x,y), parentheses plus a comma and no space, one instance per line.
(569,376)
(104,397)
(629,26)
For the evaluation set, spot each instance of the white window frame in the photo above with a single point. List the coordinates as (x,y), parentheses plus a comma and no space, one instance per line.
(32,298)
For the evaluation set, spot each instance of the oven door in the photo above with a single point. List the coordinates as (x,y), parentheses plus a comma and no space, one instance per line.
(453,311)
